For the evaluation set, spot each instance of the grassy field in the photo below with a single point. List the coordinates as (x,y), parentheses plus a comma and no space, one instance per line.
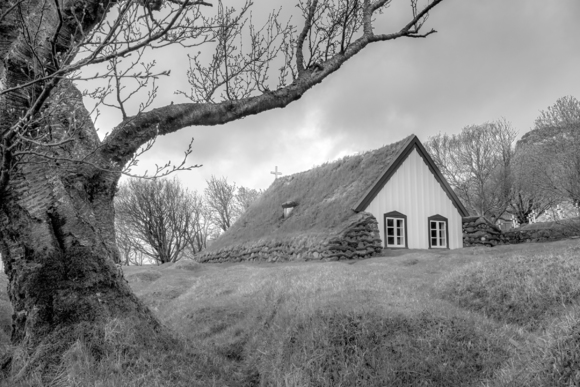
(502,316)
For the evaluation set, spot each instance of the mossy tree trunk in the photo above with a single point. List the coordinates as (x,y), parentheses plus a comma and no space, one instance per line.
(58,246)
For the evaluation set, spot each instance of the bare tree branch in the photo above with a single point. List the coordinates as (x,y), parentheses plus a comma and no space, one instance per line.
(10,9)
(311,7)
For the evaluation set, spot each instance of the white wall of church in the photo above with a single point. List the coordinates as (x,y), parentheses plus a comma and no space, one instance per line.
(415,192)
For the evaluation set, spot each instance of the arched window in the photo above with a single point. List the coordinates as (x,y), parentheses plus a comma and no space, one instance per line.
(395,230)
(438,232)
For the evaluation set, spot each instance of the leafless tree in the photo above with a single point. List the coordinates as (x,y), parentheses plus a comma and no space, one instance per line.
(226,201)
(546,165)
(564,113)
(221,199)
(161,215)
(245,197)
(58,178)
(550,153)
(128,243)
(477,164)
(156,217)
(551,166)
(523,203)
(529,191)
(203,227)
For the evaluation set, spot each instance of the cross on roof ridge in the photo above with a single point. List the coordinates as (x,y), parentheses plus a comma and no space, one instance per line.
(276,173)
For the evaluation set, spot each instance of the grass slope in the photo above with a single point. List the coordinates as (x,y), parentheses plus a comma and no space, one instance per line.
(505,316)
(518,289)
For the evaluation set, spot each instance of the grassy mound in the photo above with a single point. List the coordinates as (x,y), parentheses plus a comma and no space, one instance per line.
(186,264)
(366,348)
(522,290)
(336,324)
(376,322)
(144,276)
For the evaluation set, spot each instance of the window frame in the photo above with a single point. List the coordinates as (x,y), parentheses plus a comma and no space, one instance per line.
(395,215)
(438,218)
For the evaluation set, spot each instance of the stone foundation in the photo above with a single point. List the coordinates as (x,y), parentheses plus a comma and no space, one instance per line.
(552,232)
(358,239)
(478,231)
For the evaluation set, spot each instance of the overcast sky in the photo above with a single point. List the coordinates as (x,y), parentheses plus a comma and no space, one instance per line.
(489,59)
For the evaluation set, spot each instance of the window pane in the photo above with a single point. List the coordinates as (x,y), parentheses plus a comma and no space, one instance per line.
(437,233)
(395,230)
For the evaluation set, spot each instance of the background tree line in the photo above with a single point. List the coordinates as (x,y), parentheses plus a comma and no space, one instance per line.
(160,221)
(496,176)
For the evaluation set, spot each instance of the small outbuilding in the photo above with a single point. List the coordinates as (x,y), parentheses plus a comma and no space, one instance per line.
(394,197)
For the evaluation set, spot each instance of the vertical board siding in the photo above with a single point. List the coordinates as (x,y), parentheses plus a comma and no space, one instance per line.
(415,192)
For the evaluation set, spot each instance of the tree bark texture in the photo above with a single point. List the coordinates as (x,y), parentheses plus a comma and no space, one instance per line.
(58,247)
(56,215)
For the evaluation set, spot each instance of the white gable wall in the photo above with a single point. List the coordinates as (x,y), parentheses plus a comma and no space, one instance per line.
(415,192)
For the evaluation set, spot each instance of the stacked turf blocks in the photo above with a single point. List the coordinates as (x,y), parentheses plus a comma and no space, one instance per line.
(478,231)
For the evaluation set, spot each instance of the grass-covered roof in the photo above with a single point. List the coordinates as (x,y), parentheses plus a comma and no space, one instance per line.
(325,198)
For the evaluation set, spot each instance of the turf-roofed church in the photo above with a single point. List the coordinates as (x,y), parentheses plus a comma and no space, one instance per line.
(393,197)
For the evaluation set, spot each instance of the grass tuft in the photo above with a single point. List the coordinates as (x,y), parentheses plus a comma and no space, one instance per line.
(551,358)
(129,354)
(561,361)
